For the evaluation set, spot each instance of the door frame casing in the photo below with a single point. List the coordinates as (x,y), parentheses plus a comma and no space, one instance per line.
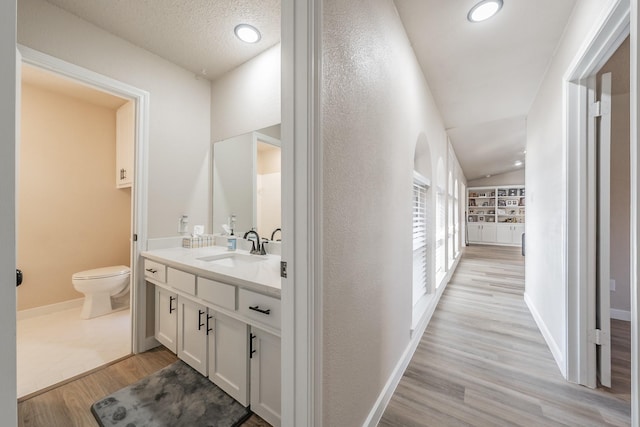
(301,213)
(635,215)
(139,342)
(579,223)
(9,134)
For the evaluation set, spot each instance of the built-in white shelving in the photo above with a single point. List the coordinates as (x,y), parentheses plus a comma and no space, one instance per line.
(496,214)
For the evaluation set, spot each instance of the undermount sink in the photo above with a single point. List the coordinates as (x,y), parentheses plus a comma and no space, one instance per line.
(232,259)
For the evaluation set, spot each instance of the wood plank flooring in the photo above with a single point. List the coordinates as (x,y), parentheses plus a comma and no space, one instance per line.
(483,362)
(69,404)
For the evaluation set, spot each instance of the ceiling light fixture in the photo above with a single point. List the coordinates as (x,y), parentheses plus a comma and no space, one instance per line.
(247,33)
(484,10)
(518,163)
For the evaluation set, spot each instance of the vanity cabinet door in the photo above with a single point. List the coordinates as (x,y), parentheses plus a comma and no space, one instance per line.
(228,357)
(192,334)
(264,349)
(166,318)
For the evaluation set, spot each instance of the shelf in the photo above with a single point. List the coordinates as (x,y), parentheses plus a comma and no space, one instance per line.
(496,211)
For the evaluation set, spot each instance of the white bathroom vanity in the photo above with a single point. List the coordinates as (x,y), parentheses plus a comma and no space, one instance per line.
(219,311)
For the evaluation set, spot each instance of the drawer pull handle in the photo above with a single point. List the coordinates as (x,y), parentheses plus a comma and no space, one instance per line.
(260,310)
(171,308)
(208,328)
(251,349)
(200,324)
(152,270)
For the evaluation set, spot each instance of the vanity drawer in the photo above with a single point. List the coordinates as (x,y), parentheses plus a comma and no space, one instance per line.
(180,280)
(155,270)
(217,293)
(259,307)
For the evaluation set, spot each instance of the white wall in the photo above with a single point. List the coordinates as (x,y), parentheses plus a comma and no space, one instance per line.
(248,97)
(179,129)
(376,105)
(545,279)
(508,178)
(8,129)
(244,100)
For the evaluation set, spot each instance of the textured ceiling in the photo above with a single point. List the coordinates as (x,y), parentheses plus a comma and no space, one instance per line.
(55,83)
(484,76)
(196,34)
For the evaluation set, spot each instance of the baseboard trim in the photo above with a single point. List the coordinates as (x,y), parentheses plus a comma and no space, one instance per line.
(416,335)
(546,334)
(621,315)
(49,309)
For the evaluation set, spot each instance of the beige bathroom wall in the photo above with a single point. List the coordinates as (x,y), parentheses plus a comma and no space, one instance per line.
(71,217)
(269,158)
(269,188)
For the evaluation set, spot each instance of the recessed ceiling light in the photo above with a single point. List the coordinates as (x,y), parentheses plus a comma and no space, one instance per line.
(487,176)
(484,10)
(247,33)
(518,163)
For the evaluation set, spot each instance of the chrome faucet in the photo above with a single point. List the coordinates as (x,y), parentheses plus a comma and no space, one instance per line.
(256,247)
(274,233)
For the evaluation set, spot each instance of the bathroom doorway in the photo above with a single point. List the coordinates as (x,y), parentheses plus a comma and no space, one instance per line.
(74,213)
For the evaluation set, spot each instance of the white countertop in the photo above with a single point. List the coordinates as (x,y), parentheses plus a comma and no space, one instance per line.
(262,276)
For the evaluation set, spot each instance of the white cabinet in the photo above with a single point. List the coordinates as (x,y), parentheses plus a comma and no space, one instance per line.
(166,318)
(510,234)
(228,357)
(496,214)
(227,334)
(265,375)
(193,321)
(482,233)
(125,143)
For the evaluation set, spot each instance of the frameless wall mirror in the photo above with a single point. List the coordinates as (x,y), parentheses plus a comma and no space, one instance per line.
(246,178)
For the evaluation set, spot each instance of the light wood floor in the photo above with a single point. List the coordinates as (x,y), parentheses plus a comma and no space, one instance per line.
(483,362)
(69,405)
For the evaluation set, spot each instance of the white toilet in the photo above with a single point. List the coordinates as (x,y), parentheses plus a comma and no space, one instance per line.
(99,286)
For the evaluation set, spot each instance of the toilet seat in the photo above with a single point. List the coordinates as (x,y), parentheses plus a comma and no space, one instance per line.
(100,273)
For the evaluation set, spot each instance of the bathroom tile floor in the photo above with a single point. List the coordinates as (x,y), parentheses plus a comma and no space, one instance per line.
(58,346)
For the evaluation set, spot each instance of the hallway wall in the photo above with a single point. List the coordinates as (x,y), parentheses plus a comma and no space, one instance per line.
(508,178)
(376,105)
(545,274)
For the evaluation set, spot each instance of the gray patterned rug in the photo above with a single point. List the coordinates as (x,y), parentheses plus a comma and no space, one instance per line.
(176,396)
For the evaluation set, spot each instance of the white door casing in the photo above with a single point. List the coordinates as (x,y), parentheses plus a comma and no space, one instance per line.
(620,19)
(635,217)
(139,191)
